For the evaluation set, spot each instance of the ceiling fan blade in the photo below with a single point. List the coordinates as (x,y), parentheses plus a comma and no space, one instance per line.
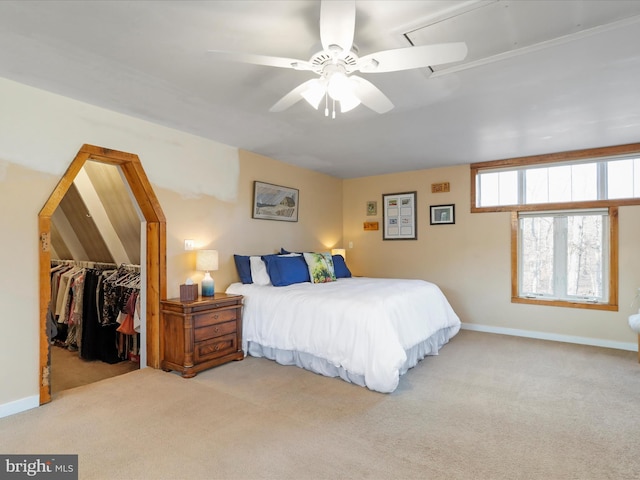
(294,96)
(412,57)
(337,24)
(281,62)
(370,95)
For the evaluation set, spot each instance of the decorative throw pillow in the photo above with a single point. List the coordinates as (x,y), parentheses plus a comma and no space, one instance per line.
(320,267)
(340,267)
(243,266)
(259,271)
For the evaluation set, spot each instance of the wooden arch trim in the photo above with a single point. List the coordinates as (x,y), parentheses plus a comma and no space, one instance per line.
(156,234)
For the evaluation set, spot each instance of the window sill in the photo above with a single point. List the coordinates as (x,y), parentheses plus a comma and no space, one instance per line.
(566,304)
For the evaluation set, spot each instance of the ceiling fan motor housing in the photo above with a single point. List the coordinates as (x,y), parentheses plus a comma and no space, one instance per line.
(323,59)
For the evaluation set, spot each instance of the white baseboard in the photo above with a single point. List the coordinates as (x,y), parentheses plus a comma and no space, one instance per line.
(594,342)
(18,406)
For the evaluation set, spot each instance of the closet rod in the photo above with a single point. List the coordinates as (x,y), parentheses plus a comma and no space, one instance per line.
(84,264)
(131,267)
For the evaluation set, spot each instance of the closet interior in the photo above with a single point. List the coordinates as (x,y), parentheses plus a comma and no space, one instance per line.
(95,315)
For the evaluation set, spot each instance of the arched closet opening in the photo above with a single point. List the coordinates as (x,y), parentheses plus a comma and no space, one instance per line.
(153,262)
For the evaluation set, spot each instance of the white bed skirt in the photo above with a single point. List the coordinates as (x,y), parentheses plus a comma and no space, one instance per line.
(430,346)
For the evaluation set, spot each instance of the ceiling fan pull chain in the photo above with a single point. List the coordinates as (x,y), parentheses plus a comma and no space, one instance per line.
(334,108)
(326,105)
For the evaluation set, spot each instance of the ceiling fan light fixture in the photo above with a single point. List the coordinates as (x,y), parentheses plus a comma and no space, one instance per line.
(314,94)
(339,86)
(349,103)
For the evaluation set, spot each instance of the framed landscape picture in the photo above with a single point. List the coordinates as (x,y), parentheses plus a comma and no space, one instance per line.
(275,202)
(399,216)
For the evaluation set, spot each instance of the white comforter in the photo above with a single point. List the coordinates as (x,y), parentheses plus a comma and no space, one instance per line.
(363,325)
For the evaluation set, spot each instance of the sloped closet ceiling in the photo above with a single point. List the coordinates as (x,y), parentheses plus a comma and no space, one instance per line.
(97,219)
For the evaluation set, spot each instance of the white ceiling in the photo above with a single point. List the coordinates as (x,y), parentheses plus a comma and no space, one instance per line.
(540,77)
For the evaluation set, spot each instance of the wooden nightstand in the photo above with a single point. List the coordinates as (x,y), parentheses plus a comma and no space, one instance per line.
(200,334)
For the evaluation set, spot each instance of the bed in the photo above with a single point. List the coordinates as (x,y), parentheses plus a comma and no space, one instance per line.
(367,331)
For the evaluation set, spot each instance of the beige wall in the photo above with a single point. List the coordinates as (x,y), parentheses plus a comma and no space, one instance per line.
(23,193)
(470,260)
(204,188)
(229,228)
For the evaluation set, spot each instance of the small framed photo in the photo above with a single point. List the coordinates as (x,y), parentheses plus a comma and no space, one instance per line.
(399,216)
(372,208)
(274,202)
(442,214)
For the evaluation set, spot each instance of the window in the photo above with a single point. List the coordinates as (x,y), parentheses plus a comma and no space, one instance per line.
(564,226)
(586,178)
(564,257)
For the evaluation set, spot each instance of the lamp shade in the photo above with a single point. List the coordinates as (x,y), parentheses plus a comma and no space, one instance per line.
(339,251)
(207,260)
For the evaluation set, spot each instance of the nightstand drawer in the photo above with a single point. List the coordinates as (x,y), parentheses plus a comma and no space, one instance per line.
(217,347)
(216,316)
(215,330)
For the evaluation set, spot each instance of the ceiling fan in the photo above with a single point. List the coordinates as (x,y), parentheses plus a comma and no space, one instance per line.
(336,63)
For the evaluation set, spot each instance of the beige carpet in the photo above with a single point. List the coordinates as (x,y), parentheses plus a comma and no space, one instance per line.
(68,370)
(488,407)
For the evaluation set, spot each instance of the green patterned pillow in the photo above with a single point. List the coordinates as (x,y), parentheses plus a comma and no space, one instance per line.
(320,267)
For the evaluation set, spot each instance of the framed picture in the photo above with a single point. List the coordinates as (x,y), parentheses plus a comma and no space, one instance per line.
(399,216)
(442,214)
(274,202)
(372,208)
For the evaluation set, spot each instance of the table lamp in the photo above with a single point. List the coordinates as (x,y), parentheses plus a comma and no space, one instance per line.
(207,261)
(339,251)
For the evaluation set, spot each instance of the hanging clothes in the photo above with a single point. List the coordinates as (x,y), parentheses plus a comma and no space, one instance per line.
(90,346)
(126,327)
(92,302)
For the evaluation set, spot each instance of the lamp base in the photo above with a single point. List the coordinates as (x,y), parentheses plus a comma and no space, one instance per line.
(207,286)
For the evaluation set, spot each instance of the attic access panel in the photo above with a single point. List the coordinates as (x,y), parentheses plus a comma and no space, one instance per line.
(497,29)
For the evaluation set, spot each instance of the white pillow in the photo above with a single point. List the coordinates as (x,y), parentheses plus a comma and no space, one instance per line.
(259,273)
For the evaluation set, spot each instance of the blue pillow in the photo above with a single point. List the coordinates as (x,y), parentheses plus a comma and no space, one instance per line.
(286,270)
(340,267)
(243,266)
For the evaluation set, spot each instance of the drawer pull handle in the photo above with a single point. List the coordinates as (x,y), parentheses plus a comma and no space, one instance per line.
(216,316)
(216,330)
(216,348)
